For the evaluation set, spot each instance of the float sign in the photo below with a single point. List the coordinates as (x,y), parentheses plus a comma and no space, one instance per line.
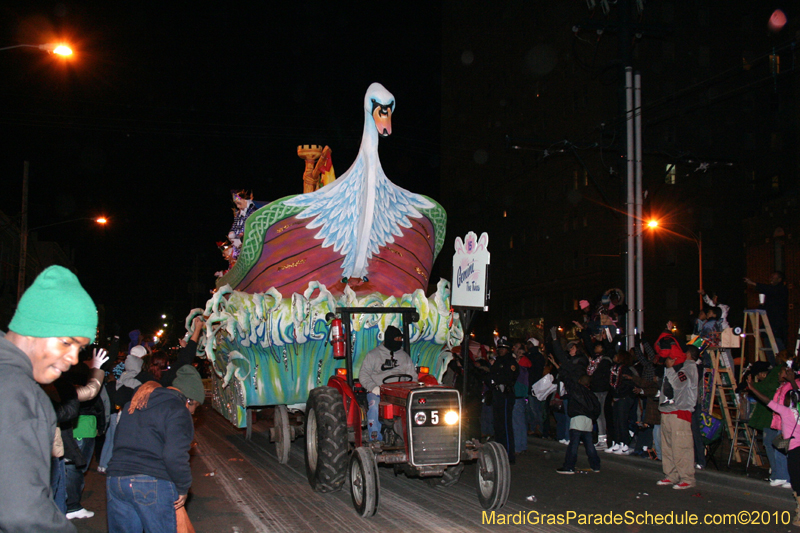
(471,272)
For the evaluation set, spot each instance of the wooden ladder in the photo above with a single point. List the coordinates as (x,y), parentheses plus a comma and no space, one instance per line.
(758,324)
(723,391)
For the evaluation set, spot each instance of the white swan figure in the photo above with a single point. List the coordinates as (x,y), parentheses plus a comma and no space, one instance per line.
(362,210)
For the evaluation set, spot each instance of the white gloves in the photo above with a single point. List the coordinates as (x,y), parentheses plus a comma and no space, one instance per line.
(98,358)
(376,391)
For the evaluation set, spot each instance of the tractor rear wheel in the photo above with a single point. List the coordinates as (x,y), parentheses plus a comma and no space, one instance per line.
(326,440)
(450,477)
(364,482)
(494,476)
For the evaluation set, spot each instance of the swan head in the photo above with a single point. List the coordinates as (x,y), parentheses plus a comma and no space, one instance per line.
(379,106)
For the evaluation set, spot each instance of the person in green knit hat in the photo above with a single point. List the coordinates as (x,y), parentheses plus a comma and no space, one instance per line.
(54,320)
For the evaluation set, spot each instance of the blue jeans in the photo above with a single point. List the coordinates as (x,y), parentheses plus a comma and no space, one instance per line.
(644,438)
(575,439)
(601,420)
(58,483)
(777,460)
(373,423)
(75,475)
(520,427)
(622,409)
(108,445)
(657,439)
(699,447)
(503,419)
(534,414)
(141,502)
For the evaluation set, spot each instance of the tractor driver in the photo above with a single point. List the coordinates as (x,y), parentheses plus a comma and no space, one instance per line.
(387,359)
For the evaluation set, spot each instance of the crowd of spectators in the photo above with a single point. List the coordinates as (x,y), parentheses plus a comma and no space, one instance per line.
(652,400)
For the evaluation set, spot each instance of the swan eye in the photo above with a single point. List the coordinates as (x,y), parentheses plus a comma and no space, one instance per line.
(384,109)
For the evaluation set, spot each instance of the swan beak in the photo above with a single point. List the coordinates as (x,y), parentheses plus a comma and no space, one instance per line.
(382,115)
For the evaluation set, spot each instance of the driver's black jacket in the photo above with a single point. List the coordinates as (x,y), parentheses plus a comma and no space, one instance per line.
(371,375)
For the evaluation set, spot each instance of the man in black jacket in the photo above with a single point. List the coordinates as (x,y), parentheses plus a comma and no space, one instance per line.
(583,408)
(502,377)
(599,370)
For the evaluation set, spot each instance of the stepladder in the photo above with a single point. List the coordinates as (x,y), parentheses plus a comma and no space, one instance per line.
(723,398)
(756,325)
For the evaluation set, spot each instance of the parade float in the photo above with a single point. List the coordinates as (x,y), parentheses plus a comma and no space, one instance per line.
(359,241)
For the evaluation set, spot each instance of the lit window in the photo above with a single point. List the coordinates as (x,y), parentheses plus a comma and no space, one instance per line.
(669,177)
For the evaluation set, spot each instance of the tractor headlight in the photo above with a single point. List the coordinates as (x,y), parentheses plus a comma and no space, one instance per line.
(450,417)
(420,418)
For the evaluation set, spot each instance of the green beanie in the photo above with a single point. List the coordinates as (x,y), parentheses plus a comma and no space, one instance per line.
(188,381)
(55,306)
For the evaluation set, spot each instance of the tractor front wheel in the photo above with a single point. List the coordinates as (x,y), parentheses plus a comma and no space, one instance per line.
(494,476)
(364,482)
(326,440)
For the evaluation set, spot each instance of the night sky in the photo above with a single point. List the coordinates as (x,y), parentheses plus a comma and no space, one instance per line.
(164,109)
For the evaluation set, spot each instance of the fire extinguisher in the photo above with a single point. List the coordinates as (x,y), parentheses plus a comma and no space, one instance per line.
(336,337)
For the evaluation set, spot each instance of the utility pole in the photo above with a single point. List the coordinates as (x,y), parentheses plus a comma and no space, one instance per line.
(630,106)
(23,234)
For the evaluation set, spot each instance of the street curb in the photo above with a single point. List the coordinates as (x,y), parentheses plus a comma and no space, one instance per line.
(726,479)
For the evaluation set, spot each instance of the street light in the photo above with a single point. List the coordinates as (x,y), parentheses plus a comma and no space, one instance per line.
(51,48)
(698,240)
(23,243)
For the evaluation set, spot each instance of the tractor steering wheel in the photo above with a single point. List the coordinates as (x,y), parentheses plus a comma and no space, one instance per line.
(398,378)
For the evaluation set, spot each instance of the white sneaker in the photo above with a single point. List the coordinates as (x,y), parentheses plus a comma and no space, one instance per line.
(614,448)
(565,442)
(777,482)
(601,443)
(623,450)
(786,485)
(80,513)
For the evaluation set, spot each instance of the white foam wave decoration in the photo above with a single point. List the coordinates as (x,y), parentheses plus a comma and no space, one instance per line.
(442,296)
(188,323)
(307,311)
(233,370)
(349,298)
(213,305)
(269,320)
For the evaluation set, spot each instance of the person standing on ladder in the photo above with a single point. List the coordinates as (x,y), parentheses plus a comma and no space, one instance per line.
(776,304)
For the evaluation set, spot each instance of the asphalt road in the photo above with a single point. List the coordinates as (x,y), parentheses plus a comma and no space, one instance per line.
(250,492)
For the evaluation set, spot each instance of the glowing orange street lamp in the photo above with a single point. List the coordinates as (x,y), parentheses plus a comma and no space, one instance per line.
(51,48)
(23,236)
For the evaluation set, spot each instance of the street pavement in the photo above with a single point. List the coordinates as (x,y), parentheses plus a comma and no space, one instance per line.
(240,487)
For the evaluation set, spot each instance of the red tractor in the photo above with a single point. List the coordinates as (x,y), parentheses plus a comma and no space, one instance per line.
(421,428)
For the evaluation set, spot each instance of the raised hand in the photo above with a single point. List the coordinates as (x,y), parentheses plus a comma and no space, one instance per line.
(99,357)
